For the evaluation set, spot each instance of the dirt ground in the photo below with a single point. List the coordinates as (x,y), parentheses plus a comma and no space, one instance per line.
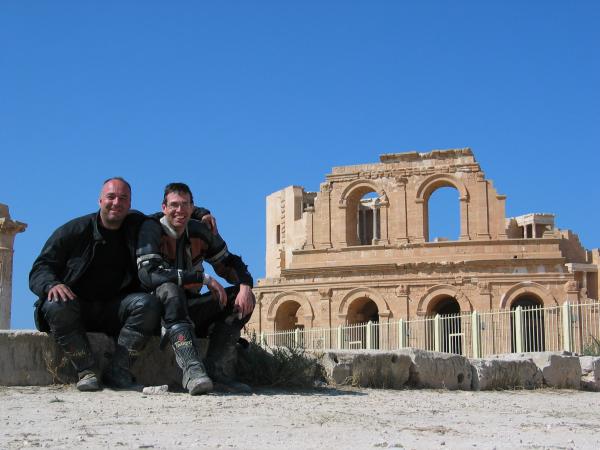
(62,417)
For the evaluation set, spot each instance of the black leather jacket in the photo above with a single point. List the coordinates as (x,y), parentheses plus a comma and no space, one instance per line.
(68,253)
(162,257)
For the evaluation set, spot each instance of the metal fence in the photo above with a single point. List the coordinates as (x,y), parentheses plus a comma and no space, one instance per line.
(523,329)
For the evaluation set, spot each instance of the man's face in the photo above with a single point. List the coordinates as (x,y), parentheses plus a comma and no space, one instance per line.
(115,202)
(178,210)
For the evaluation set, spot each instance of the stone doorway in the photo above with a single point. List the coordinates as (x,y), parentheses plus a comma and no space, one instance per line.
(286,317)
(363,321)
(450,330)
(532,323)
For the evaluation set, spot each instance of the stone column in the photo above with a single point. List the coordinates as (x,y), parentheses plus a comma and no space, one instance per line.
(483,219)
(322,218)
(402,213)
(324,313)
(485,295)
(383,208)
(420,221)
(464,219)
(8,229)
(309,212)
(402,294)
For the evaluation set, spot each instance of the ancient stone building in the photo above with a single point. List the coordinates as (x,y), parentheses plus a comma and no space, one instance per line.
(360,250)
(8,229)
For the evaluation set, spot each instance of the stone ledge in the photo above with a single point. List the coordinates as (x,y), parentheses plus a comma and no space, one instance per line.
(32,358)
(410,368)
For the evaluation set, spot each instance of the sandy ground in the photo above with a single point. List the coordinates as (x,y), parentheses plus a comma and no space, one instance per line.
(62,417)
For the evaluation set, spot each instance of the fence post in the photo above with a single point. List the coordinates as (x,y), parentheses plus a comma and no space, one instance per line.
(297,337)
(567,319)
(369,333)
(476,334)
(519,329)
(262,338)
(339,337)
(437,333)
(401,333)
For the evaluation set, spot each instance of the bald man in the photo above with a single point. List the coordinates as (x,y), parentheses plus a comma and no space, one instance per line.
(86,280)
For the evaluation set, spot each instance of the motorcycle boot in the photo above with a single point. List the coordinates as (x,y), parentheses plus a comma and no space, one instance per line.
(221,359)
(127,349)
(77,348)
(195,380)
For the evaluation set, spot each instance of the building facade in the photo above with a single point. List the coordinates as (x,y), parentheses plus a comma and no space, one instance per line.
(359,250)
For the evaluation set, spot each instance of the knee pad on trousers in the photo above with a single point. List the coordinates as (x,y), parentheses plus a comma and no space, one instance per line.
(62,317)
(143,314)
(174,304)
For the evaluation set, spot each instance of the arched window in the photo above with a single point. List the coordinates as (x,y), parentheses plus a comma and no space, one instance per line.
(368,219)
(442,215)
(362,218)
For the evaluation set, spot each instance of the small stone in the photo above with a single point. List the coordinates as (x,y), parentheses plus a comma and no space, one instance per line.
(156,390)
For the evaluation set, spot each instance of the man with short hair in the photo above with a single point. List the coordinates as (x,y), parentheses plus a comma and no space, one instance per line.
(170,253)
(86,280)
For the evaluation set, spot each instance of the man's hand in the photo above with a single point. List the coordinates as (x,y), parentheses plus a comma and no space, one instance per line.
(61,293)
(210,221)
(217,291)
(244,301)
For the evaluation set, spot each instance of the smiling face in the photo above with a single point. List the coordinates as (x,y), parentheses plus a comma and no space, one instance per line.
(115,202)
(178,207)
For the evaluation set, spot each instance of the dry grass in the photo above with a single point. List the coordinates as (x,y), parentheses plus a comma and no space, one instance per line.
(281,367)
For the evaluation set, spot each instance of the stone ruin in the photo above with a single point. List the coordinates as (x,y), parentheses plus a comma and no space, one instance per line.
(360,250)
(8,230)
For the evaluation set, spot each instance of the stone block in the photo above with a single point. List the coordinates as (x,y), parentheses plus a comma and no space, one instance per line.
(367,368)
(438,370)
(560,370)
(590,373)
(31,358)
(505,373)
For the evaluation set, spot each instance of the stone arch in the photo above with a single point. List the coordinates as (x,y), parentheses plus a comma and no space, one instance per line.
(527,287)
(358,188)
(431,183)
(440,290)
(428,186)
(349,201)
(298,297)
(355,294)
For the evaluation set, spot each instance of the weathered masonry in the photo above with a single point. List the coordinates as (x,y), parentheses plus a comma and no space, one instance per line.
(359,250)
(8,229)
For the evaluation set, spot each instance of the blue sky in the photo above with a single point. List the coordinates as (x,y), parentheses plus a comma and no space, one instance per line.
(240,99)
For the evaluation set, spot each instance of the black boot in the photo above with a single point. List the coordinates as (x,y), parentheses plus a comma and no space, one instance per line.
(221,359)
(77,348)
(195,379)
(128,347)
